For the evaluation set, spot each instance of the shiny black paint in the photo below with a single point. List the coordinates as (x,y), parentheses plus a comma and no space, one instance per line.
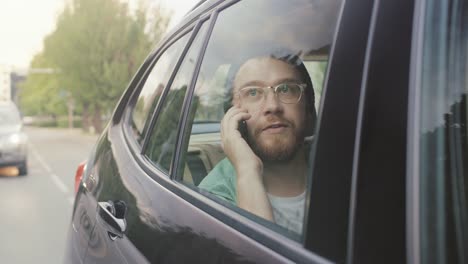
(327,226)
(160,227)
(379,177)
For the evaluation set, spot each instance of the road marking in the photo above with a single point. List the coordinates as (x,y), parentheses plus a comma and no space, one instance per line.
(55,179)
(59,183)
(39,158)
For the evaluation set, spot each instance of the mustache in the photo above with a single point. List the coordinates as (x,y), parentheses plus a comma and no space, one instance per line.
(274,119)
(269,121)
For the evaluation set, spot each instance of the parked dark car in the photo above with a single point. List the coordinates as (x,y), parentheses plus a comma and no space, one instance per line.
(388,177)
(13,141)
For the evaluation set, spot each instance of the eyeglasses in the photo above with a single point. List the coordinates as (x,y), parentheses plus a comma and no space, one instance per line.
(288,93)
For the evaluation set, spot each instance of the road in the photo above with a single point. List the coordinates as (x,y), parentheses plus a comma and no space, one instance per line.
(36,209)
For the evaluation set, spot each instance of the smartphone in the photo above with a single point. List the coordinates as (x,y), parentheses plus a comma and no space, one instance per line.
(242,127)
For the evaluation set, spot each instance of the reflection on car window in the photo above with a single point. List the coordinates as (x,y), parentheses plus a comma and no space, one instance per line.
(154,86)
(443,134)
(272,69)
(161,144)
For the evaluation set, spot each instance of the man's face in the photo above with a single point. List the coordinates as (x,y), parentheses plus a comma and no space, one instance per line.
(276,130)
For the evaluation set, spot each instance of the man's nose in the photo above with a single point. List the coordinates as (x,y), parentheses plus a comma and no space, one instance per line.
(271,102)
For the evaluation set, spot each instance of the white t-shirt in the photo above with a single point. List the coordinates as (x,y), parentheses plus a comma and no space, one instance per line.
(288,212)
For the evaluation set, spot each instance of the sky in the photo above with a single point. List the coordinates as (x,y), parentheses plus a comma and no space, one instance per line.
(25,23)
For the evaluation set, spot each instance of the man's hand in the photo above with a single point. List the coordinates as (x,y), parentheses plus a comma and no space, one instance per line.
(251,193)
(235,146)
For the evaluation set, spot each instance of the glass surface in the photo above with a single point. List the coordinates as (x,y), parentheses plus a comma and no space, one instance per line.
(287,93)
(161,144)
(154,86)
(443,134)
(291,37)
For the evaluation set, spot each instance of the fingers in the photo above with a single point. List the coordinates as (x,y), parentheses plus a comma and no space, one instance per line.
(230,122)
(236,147)
(233,112)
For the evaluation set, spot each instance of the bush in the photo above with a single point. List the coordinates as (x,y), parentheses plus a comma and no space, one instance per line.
(61,121)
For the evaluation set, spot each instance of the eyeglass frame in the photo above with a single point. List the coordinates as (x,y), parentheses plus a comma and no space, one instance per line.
(302,87)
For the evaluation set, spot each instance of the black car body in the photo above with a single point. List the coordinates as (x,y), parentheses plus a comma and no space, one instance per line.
(388,180)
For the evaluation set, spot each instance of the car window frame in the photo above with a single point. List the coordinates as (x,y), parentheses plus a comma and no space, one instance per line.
(135,148)
(260,230)
(296,251)
(330,146)
(199,30)
(130,107)
(141,86)
(381,148)
(177,174)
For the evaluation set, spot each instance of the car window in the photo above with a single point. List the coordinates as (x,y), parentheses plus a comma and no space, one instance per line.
(162,139)
(443,144)
(154,86)
(316,70)
(278,55)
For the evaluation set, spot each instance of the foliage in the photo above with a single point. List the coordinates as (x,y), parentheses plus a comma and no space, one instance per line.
(36,92)
(96,47)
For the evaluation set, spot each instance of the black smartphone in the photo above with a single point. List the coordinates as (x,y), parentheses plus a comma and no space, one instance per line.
(242,127)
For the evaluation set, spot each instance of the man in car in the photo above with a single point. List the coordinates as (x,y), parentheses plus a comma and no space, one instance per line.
(265,169)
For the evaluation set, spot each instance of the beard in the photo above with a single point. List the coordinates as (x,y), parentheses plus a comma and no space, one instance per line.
(276,148)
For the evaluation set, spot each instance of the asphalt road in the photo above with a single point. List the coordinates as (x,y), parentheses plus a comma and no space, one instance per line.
(36,209)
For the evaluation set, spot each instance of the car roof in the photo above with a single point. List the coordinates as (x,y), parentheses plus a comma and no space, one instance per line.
(7,104)
(193,14)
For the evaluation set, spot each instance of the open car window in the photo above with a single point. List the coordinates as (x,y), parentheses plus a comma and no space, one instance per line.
(280,38)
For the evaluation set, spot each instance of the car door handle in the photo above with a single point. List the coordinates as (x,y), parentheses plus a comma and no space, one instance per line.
(112,216)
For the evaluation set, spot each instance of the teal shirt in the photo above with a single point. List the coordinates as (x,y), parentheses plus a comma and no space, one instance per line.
(221,181)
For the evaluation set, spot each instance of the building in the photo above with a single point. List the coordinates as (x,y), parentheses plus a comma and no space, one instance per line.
(17,76)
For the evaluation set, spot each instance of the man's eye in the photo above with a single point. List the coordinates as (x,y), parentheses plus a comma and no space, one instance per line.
(283,88)
(252,92)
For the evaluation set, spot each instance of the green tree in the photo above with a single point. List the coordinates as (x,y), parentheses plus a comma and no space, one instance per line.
(97,47)
(40,93)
